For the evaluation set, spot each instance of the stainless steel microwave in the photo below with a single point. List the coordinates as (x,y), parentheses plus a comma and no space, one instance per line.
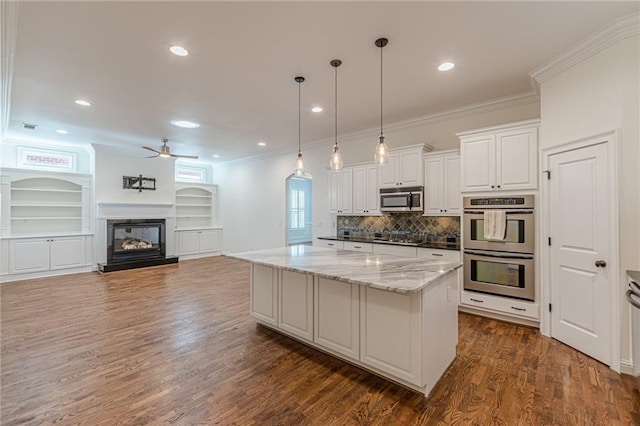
(409,199)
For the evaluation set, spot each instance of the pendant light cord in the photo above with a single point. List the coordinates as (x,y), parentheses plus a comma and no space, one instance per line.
(336,105)
(381,90)
(299,119)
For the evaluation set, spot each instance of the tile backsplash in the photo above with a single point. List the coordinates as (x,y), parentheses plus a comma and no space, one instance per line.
(406,222)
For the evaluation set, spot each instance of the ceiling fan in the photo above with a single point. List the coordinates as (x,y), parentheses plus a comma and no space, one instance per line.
(166,153)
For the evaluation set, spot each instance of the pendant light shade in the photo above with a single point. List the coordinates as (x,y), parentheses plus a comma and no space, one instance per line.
(381,155)
(299,170)
(335,161)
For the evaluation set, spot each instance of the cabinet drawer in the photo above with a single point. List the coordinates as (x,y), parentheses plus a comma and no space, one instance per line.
(401,251)
(330,244)
(500,304)
(366,247)
(435,254)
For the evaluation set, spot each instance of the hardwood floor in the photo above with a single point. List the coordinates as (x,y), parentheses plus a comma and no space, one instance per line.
(175,345)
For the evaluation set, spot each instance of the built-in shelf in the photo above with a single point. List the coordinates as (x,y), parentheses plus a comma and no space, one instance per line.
(195,206)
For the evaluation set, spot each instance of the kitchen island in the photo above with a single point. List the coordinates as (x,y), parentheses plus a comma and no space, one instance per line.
(394,316)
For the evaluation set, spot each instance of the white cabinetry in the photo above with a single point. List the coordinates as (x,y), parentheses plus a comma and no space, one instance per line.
(340,191)
(337,317)
(193,243)
(404,167)
(500,158)
(366,189)
(442,184)
(28,255)
(196,215)
(402,251)
(500,305)
(329,244)
(264,294)
(295,314)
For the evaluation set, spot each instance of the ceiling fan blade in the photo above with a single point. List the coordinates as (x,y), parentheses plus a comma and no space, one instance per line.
(152,149)
(153,156)
(193,157)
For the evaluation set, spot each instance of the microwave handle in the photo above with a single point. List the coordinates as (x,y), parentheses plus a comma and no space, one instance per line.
(502,256)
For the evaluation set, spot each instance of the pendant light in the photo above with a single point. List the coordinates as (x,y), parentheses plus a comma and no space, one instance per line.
(299,171)
(381,155)
(336,158)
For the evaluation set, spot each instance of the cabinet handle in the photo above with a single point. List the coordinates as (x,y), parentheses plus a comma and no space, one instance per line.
(476,300)
(330,244)
(498,186)
(492,186)
(518,309)
(445,210)
(437,254)
(357,246)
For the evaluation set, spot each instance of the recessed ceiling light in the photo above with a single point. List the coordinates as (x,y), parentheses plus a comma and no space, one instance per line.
(179,50)
(215,156)
(261,143)
(185,124)
(83,102)
(316,109)
(446,66)
(62,131)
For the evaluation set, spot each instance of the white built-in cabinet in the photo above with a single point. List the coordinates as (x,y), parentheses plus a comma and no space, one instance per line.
(500,158)
(404,167)
(366,188)
(196,210)
(46,225)
(340,191)
(442,184)
(296,304)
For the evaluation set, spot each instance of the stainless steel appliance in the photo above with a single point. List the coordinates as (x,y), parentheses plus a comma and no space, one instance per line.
(633,297)
(407,199)
(502,267)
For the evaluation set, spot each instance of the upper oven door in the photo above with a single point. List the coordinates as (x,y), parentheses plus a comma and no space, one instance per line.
(519,236)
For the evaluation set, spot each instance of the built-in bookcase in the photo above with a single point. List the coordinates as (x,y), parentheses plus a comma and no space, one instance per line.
(196,206)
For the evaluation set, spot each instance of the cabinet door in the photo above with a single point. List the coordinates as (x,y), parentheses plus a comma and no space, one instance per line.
(28,256)
(189,242)
(517,159)
(264,294)
(478,163)
(390,333)
(346,191)
(410,169)
(337,317)
(295,315)
(334,191)
(451,199)
(434,186)
(68,252)
(390,171)
(209,240)
(360,189)
(373,190)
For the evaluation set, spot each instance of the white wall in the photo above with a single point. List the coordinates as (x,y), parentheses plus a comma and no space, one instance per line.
(252,193)
(112,164)
(598,95)
(83,153)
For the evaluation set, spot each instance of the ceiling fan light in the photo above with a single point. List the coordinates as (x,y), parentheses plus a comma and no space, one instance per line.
(164,155)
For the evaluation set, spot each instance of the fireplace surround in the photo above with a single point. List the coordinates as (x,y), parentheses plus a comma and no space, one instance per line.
(135,243)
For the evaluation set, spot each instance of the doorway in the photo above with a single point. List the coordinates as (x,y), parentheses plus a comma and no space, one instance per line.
(299,207)
(581,257)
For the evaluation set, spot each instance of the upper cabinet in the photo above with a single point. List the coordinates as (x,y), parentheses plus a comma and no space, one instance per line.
(500,158)
(404,167)
(42,203)
(196,206)
(341,191)
(366,189)
(442,184)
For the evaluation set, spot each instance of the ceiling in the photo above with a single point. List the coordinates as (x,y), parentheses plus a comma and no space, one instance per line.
(238,80)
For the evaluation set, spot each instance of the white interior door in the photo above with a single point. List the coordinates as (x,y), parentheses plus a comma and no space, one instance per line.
(580,224)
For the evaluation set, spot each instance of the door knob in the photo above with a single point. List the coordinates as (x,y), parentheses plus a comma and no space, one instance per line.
(601,263)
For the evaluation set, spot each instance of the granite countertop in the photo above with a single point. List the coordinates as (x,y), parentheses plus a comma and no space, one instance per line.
(635,275)
(385,272)
(423,244)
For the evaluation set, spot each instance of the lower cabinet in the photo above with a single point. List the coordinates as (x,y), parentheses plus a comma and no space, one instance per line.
(296,304)
(196,243)
(329,244)
(500,305)
(24,258)
(337,317)
(263,294)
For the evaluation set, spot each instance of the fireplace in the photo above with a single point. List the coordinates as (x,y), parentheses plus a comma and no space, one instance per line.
(135,243)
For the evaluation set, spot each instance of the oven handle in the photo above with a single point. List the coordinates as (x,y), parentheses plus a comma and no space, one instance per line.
(507,212)
(505,255)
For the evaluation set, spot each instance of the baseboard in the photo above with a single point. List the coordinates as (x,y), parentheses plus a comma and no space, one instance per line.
(626,366)
(29,276)
(199,255)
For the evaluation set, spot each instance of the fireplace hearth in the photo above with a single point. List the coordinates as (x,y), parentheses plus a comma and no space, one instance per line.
(135,243)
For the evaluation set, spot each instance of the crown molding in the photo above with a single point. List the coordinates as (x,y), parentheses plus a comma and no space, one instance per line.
(8,35)
(502,103)
(622,28)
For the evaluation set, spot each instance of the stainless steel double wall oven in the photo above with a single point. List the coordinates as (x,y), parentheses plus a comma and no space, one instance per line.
(502,267)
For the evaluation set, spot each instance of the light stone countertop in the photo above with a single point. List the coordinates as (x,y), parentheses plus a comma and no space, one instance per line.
(385,272)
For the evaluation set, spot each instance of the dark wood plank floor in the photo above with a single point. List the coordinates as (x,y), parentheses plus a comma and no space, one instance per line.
(175,345)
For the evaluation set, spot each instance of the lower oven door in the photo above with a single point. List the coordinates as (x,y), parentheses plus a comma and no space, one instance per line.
(500,273)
